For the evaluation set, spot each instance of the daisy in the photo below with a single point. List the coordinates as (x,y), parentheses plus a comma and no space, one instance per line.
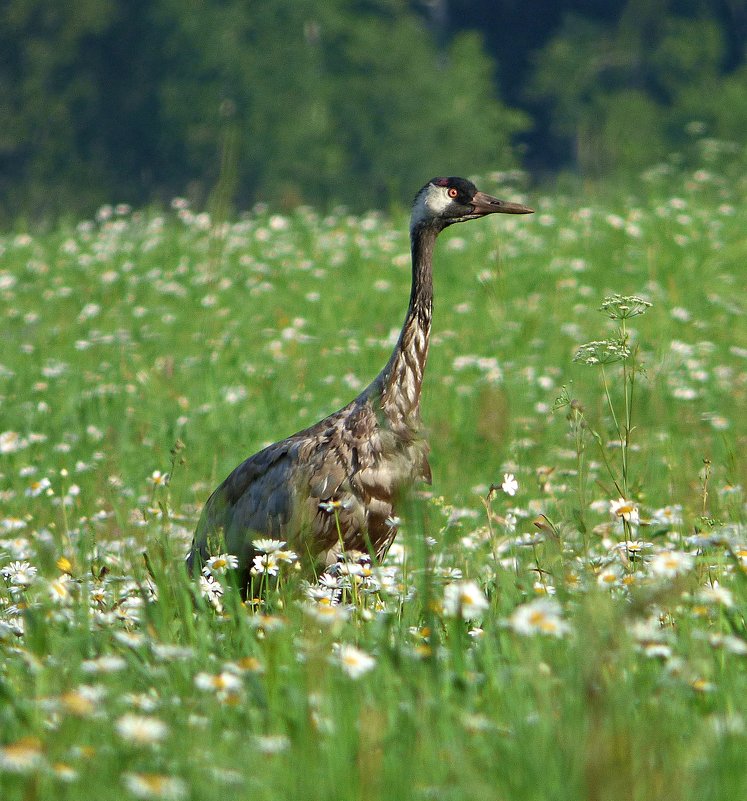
(722,596)
(104,664)
(322,594)
(12,523)
(155,786)
(266,622)
(656,650)
(332,505)
(20,574)
(540,616)
(634,548)
(10,442)
(350,569)
(79,702)
(268,545)
(211,590)
(37,487)
(329,582)
(353,661)
(668,564)
(166,652)
(627,510)
(220,565)
(265,563)
(225,681)
(327,612)
(158,479)
(141,729)
(59,589)
(64,772)
(270,744)
(18,548)
(732,643)
(609,576)
(22,756)
(286,556)
(464,599)
(668,515)
(145,702)
(131,639)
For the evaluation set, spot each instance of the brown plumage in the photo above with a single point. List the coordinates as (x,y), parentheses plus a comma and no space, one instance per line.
(352,467)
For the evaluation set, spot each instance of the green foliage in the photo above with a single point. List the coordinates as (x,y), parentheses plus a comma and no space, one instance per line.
(49,102)
(229,102)
(623,94)
(286,101)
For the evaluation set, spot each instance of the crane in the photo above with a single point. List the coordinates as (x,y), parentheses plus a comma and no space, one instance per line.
(335,486)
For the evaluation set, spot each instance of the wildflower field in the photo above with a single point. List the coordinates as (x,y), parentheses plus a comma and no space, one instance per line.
(562,615)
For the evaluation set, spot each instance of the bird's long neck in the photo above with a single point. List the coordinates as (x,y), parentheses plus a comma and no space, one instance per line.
(401,381)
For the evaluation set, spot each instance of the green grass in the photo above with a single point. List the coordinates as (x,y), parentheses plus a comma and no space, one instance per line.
(129,334)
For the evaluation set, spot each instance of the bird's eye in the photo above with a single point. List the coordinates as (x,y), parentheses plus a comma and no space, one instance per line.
(453,192)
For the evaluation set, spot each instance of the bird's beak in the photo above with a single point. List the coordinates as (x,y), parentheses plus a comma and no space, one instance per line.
(483,204)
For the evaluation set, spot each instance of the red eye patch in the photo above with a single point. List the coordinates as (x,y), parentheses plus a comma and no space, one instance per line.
(441,182)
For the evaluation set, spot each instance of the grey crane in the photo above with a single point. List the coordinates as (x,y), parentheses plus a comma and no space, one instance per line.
(335,485)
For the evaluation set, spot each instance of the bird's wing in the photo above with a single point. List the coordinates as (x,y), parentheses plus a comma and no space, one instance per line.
(327,480)
(255,499)
(275,493)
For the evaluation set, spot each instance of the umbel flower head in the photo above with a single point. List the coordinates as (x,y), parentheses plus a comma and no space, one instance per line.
(623,307)
(604,351)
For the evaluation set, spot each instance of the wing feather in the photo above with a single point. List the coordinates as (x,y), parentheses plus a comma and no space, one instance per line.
(283,491)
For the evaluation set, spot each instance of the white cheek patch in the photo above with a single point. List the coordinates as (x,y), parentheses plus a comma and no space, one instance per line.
(437,199)
(431,202)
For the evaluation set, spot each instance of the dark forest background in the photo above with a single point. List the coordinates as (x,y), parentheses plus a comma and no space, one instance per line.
(353,101)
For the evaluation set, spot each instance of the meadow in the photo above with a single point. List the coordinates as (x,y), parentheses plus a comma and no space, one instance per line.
(563,613)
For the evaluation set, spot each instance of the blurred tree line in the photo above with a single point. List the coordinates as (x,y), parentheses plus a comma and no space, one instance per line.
(356,101)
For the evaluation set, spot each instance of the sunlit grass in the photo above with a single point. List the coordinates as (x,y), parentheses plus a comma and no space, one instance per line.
(576,631)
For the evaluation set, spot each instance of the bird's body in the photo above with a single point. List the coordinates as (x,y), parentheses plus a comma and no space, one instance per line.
(335,486)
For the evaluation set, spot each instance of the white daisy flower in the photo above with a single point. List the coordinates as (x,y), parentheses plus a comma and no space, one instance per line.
(668,564)
(464,599)
(37,487)
(158,479)
(22,756)
(220,565)
(286,556)
(211,590)
(627,510)
(225,685)
(19,574)
(265,563)
(109,663)
(354,661)
(540,616)
(59,589)
(141,729)
(155,786)
(268,545)
(722,596)
(270,744)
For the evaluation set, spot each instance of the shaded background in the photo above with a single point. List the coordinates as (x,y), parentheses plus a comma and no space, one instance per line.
(230,102)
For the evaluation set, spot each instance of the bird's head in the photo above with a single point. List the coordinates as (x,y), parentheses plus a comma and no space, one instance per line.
(445,201)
